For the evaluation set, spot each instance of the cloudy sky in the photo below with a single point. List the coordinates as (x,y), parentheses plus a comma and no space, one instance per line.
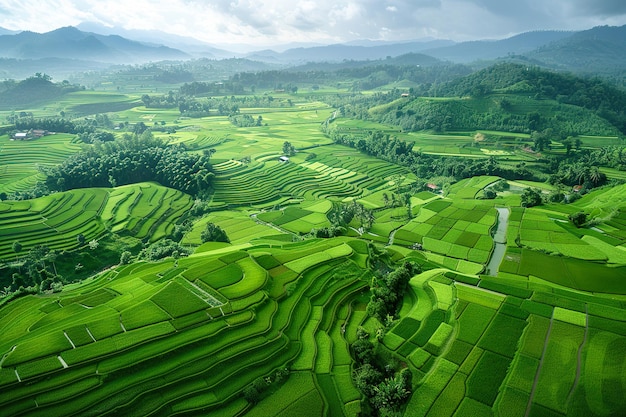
(267,22)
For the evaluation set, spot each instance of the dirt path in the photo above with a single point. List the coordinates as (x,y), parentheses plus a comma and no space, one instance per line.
(273,226)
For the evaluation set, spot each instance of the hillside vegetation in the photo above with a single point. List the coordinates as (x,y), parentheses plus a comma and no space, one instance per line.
(31,92)
(513,98)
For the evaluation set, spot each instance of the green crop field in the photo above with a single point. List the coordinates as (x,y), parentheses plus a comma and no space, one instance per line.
(278,320)
(20,159)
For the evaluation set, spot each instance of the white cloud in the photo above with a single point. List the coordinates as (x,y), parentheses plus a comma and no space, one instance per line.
(263,22)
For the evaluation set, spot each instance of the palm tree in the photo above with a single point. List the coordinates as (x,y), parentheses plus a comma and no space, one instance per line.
(595,176)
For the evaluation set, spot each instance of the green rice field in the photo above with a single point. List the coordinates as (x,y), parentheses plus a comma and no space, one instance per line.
(265,324)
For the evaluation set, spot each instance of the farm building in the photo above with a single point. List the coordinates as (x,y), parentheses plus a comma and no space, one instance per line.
(284,159)
(31,134)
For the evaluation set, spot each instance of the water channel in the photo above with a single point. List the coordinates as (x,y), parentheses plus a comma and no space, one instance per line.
(500,241)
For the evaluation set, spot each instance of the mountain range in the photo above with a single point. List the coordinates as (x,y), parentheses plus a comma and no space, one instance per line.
(599,50)
(72,43)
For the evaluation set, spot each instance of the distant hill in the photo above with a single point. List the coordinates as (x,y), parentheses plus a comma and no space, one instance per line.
(58,68)
(515,98)
(71,43)
(31,91)
(191,46)
(344,52)
(4,31)
(599,50)
(466,52)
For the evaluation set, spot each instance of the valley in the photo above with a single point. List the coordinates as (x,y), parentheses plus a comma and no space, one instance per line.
(435,250)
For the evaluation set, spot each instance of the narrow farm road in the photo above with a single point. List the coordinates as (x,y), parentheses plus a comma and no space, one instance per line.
(273,226)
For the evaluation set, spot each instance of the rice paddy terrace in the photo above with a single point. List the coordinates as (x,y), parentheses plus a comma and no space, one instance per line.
(145,210)
(20,160)
(191,334)
(187,337)
(544,336)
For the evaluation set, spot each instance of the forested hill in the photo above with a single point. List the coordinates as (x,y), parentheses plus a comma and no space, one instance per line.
(601,50)
(32,91)
(517,98)
(592,94)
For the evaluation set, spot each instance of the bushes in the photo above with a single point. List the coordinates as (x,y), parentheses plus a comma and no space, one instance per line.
(213,233)
(162,249)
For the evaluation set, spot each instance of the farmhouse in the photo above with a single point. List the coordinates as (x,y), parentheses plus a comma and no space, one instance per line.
(284,159)
(404,95)
(432,187)
(31,134)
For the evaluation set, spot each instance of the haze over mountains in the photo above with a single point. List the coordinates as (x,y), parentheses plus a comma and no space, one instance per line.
(600,49)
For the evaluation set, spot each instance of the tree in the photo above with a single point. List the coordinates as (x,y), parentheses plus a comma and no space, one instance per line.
(288,149)
(489,194)
(125,257)
(531,197)
(541,140)
(390,394)
(385,199)
(579,218)
(17,248)
(366,378)
(363,350)
(214,233)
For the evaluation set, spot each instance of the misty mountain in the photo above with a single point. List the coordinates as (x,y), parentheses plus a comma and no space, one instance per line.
(192,46)
(521,44)
(71,43)
(4,31)
(601,50)
(343,52)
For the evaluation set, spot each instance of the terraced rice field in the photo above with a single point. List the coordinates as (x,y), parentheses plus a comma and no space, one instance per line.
(142,210)
(109,344)
(20,159)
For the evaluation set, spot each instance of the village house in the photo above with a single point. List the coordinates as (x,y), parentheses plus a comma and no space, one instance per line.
(31,134)
(432,187)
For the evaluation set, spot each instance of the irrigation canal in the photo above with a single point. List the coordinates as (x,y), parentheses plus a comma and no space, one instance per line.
(500,241)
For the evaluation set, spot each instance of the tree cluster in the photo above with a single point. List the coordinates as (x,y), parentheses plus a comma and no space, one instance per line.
(388,292)
(395,150)
(214,233)
(162,249)
(132,159)
(593,94)
(245,120)
(262,386)
(386,390)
